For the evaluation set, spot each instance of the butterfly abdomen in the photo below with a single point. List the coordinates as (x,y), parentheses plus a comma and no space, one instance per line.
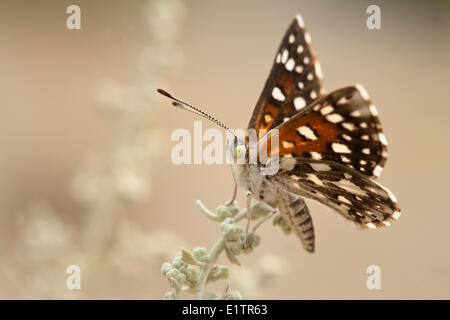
(294,209)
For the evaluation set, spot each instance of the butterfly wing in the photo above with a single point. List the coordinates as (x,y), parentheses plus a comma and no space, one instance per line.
(293,83)
(342,127)
(351,193)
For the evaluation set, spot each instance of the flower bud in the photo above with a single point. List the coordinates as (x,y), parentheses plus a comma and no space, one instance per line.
(166,267)
(223,212)
(200,253)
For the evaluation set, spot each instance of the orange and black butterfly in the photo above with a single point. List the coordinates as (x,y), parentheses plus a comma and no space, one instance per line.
(330,147)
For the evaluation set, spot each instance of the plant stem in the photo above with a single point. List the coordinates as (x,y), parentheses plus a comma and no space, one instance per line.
(242,214)
(178,293)
(212,258)
(208,213)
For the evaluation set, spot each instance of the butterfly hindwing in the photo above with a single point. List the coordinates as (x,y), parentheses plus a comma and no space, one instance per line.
(342,126)
(349,192)
(293,83)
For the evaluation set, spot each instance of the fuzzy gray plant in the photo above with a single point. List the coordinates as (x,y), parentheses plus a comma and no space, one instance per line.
(192,271)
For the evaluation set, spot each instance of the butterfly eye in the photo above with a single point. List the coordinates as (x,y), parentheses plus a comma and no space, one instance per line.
(238,151)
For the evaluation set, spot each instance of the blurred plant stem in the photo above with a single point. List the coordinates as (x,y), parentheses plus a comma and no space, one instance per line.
(122,179)
(204,274)
(110,187)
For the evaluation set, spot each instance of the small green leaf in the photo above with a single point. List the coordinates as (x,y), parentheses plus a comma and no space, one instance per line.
(232,258)
(187,257)
(210,295)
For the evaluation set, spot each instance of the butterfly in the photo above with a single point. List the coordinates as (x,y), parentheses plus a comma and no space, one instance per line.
(330,147)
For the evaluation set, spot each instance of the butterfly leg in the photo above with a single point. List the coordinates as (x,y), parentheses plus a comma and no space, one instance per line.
(249,214)
(272,210)
(230,202)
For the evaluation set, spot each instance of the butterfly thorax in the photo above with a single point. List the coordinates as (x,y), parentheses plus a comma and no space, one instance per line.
(249,175)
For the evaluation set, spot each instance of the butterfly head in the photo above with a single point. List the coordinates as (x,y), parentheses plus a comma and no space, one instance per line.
(238,149)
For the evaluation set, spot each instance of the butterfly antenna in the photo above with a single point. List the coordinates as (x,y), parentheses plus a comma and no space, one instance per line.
(187,106)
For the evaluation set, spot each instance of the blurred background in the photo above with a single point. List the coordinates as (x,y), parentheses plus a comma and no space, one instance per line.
(86,176)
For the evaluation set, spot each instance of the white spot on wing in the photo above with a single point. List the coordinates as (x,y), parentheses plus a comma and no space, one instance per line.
(387,222)
(277,94)
(320,166)
(373,110)
(300,48)
(318,70)
(306,60)
(344,199)
(349,186)
(340,148)
(290,64)
(371,225)
(287,144)
(287,163)
(334,117)
(396,215)
(284,56)
(377,171)
(307,132)
(347,137)
(313,94)
(365,150)
(356,113)
(300,21)
(326,110)
(349,126)
(299,103)
(313,178)
(342,100)
(291,38)
(307,37)
(382,138)
(315,155)
(362,92)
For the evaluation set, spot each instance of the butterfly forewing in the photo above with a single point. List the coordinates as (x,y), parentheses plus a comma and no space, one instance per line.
(294,81)
(342,126)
